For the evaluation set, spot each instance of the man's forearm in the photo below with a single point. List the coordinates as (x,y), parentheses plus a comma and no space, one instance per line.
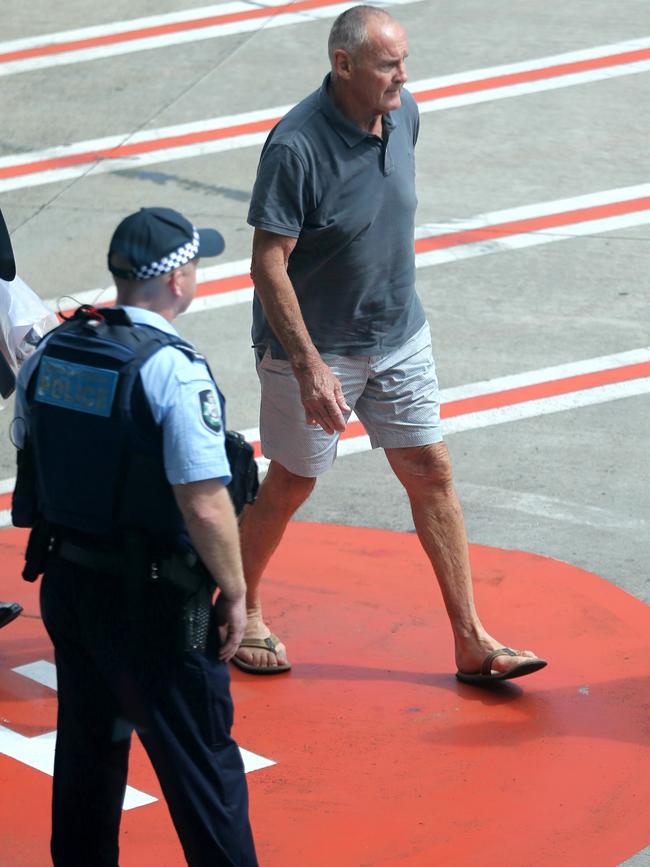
(212,527)
(281,308)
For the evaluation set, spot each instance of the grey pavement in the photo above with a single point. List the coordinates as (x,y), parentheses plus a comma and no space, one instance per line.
(570,485)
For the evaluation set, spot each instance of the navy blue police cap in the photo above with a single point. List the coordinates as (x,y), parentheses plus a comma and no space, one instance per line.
(155,241)
(7,261)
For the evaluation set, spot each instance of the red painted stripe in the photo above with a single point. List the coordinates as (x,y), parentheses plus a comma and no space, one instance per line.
(210,287)
(494,400)
(127,150)
(468,236)
(162,29)
(553,388)
(533,224)
(224,284)
(526,75)
(185,139)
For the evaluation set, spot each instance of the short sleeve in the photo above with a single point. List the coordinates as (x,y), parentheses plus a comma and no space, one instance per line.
(412,113)
(185,403)
(20,424)
(280,198)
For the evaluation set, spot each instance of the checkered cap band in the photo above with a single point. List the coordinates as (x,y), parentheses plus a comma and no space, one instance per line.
(173,260)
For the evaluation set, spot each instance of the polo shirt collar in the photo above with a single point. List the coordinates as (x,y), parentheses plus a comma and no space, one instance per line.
(349,132)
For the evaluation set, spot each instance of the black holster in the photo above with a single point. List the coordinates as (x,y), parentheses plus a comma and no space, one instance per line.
(40,546)
(186,572)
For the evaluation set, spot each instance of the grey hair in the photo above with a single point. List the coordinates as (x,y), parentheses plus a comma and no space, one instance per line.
(350,30)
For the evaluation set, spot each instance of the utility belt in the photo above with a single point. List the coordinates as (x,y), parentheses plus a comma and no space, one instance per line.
(185,572)
(138,570)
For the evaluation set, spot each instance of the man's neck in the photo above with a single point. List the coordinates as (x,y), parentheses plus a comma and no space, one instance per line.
(348,108)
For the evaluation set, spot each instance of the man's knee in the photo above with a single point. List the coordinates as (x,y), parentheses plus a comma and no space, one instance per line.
(428,465)
(293,490)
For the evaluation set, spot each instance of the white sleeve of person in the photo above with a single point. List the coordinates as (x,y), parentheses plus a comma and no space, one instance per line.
(24,319)
(185,403)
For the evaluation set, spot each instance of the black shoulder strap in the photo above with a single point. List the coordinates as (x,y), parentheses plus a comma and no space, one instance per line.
(154,340)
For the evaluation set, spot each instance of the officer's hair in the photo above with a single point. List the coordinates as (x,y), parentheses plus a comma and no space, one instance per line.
(350,30)
(136,290)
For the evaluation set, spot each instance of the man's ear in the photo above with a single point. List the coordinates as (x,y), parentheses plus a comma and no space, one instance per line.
(342,65)
(173,281)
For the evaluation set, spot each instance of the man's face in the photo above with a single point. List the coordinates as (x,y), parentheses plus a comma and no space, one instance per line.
(378,72)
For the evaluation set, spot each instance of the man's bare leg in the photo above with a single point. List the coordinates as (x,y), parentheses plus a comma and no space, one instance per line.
(261,530)
(425,472)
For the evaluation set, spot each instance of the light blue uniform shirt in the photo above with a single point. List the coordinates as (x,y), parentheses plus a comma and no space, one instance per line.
(184,402)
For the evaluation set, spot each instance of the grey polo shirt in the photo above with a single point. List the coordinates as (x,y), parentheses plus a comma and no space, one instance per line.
(349,198)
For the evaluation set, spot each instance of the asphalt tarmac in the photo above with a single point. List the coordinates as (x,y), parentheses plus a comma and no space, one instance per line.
(572,483)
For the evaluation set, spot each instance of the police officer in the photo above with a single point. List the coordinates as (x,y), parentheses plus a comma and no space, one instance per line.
(123,475)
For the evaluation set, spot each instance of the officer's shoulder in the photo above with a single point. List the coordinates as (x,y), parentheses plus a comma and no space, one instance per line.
(190,352)
(179,359)
(181,355)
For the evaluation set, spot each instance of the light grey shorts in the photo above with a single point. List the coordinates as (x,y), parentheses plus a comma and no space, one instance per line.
(394,395)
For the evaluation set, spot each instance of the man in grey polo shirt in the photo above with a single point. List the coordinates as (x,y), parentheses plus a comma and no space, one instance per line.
(337,325)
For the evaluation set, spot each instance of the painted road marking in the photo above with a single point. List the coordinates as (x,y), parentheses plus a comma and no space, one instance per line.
(497,401)
(38,752)
(367,701)
(160,31)
(42,671)
(183,141)
(439,243)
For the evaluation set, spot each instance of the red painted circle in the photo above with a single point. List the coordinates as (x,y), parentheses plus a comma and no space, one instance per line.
(382,757)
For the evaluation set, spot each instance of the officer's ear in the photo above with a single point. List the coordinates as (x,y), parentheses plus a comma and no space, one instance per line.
(174,282)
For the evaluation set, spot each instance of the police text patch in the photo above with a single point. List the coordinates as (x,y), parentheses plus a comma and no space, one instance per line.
(210,410)
(76,386)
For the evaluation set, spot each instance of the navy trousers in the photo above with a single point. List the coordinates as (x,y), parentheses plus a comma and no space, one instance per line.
(120,670)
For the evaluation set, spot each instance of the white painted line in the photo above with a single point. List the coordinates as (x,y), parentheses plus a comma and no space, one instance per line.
(546,374)
(540,86)
(546,405)
(38,752)
(505,230)
(115,39)
(253,762)
(517,409)
(42,671)
(126,151)
(532,239)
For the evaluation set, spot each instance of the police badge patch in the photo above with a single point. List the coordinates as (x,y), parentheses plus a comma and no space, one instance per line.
(210,410)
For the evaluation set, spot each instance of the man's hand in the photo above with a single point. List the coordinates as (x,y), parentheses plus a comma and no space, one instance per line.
(231,617)
(322,396)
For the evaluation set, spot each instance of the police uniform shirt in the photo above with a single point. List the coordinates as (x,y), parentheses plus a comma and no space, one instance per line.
(184,402)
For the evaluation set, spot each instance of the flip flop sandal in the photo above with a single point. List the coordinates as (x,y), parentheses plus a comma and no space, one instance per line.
(271,644)
(486,676)
(8,612)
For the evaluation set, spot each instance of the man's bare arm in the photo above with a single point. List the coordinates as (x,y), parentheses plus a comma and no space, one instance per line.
(320,389)
(211,523)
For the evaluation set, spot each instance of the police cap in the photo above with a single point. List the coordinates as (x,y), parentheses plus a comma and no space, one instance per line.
(155,241)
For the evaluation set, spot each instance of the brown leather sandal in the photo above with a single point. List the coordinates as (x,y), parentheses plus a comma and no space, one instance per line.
(271,644)
(486,675)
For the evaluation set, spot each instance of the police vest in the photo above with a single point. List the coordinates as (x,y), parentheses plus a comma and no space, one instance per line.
(97,451)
